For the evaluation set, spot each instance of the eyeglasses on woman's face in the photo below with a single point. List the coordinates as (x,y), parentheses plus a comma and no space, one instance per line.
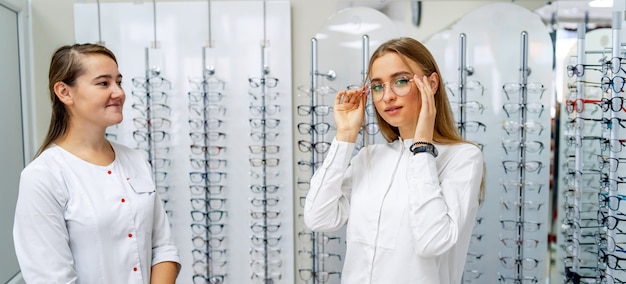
(400,85)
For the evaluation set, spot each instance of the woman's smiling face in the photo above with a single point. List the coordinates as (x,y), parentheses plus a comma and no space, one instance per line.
(97,96)
(399,111)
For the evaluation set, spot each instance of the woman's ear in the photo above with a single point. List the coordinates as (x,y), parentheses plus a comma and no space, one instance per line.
(433,80)
(62,91)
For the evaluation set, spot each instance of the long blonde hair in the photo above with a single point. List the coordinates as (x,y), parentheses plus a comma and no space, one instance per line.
(446,131)
(66,65)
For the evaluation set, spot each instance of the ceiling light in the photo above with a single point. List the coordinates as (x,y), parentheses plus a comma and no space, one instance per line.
(601,3)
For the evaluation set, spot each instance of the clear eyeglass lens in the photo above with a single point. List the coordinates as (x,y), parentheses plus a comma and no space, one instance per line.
(474,107)
(401,86)
(616,63)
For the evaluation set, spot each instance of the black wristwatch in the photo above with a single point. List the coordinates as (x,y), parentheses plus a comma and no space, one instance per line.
(424,148)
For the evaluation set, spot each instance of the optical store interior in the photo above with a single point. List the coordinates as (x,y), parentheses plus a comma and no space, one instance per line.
(232,103)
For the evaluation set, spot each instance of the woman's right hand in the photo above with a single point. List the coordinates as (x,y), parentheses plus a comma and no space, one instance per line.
(349,112)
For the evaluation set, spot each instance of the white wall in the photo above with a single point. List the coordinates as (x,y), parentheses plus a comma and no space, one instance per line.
(52,26)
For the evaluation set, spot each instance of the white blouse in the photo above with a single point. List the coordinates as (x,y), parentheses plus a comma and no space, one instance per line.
(409,217)
(76,222)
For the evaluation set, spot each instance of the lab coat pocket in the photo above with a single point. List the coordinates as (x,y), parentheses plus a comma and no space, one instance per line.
(143,201)
(141,185)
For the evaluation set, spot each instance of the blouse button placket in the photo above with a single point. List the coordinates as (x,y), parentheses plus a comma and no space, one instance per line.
(123,200)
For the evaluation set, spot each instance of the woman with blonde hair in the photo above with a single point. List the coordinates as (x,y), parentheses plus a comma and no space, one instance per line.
(409,204)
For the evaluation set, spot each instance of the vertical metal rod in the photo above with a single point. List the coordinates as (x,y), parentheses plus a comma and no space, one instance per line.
(615,136)
(365,51)
(204,73)
(264,71)
(99,24)
(462,82)
(524,72)
(210,44)
(151,148)
(264,74)
(578,131)
(524,58)
(264,23)
(313,94)
(265,51)
(365,40)
(205,103)
(314,259)
(207,194)
(147,61)
(154,20)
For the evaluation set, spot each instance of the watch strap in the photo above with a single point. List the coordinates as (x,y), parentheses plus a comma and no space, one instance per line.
(419,143)
(424,148)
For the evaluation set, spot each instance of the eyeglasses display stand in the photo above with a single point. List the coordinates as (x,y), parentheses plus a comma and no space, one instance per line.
(590,249)
(505,87)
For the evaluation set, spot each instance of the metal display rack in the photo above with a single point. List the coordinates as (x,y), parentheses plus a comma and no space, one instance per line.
(520,122)
(207,176)
(264,228)
(522,266)
(151,133)
(316,247)
(593,237)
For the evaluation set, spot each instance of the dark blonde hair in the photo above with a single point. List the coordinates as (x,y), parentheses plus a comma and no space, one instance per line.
(446,131)
(65,66)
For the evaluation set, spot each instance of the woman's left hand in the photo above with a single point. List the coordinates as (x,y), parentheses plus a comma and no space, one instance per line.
(426,121)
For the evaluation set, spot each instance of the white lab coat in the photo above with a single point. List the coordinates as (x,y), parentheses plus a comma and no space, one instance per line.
(76,222)
(409,217)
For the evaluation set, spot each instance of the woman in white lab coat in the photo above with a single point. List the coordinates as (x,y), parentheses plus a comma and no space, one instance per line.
(87,210)
(409,204)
